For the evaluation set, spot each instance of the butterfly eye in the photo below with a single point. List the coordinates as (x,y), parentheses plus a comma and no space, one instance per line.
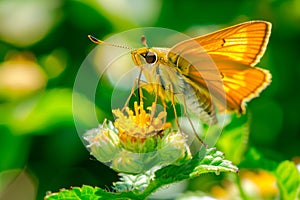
(151,58)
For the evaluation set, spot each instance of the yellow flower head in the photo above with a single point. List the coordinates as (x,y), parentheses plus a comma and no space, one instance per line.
(139,130)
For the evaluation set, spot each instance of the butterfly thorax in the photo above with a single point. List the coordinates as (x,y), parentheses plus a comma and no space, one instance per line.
(166,79)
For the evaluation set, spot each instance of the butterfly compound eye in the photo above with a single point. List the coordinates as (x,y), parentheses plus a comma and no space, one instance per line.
(151,58)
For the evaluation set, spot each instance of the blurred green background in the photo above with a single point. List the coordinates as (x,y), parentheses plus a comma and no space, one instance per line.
(43,43)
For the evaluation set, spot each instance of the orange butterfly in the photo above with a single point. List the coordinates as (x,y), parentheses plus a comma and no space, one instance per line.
(208,73)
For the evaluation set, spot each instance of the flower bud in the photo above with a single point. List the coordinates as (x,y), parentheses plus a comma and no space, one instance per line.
(133,163)
(103,142)
(173,149)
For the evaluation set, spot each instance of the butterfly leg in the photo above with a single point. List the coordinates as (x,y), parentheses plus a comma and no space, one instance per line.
(153,106)
(156,89)
(140,94)
(173,105)
(130,95)
(190,121)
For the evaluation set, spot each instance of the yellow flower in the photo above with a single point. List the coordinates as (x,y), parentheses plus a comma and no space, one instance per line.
(137,141)
(140,131)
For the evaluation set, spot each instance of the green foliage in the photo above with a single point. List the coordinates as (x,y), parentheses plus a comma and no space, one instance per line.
(255,160)
(234,139)
(141,186)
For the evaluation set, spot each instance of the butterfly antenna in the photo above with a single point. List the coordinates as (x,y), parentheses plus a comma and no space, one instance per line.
(97,41)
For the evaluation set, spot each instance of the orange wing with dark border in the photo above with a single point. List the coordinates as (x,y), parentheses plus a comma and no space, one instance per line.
(223,62)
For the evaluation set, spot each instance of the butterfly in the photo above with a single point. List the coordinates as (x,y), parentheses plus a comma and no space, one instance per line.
(210,73)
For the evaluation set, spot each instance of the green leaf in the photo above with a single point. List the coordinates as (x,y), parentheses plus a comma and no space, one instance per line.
(212,161)
(288,180)
(85,193)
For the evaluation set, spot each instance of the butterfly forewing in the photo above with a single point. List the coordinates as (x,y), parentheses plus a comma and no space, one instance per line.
(245,43)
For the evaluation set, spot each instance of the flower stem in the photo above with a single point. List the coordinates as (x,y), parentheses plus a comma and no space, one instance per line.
(240,187)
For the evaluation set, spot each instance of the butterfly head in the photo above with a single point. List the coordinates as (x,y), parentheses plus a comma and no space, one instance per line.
(144,55)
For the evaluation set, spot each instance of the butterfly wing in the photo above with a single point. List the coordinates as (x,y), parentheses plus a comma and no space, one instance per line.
(223,62)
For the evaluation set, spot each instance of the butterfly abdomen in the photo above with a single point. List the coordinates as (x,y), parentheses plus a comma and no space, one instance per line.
(199,103)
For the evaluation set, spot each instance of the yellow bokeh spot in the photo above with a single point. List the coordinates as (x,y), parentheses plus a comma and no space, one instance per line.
(20,75)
